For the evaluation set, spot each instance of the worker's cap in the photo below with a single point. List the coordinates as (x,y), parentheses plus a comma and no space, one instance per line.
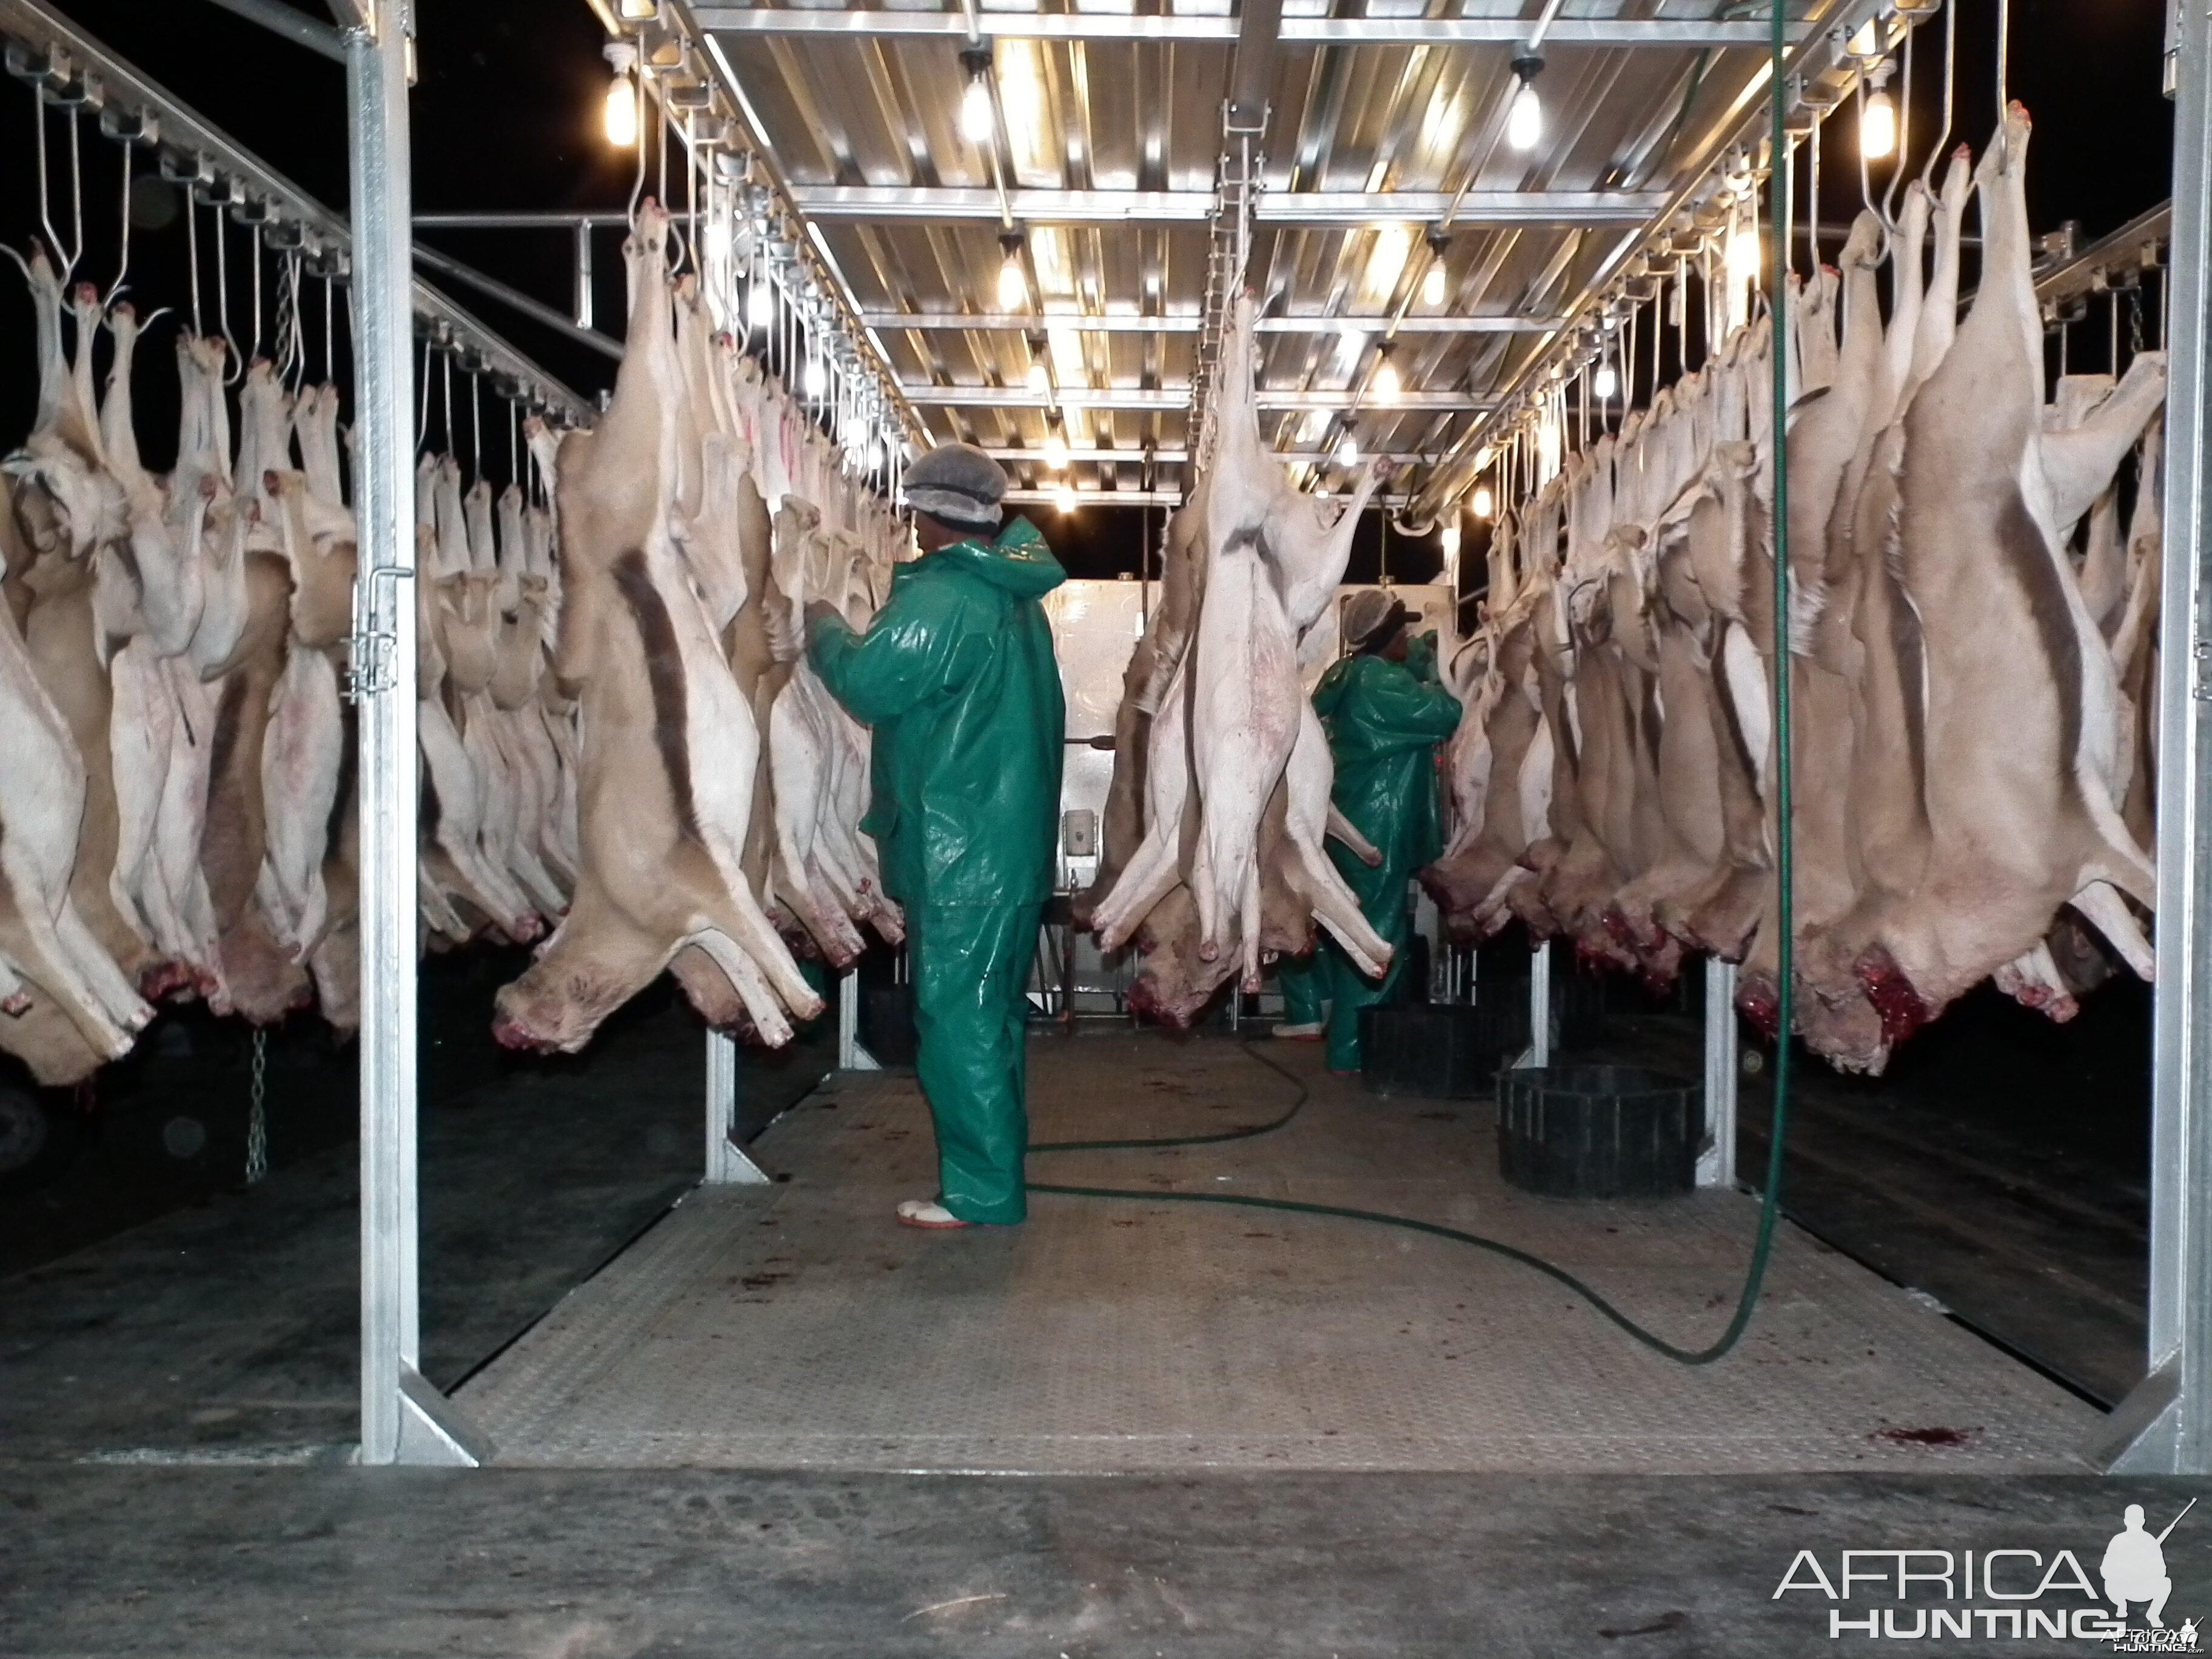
(1372,615)
(959,485)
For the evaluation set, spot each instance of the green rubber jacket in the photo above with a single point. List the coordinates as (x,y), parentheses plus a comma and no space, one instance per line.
(955,675)
(1383,720)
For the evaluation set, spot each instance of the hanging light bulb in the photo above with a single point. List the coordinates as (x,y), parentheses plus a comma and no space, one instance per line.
(1055,450)
(1604,383)
(1483,504)
(1347,450)
(1878,126)
(1524,116)
(1385,385)
(816,380)
(1432,282)
(975,125)
(621,114)
(1013,286)
(1064,498)
(759,302)
(1040,378)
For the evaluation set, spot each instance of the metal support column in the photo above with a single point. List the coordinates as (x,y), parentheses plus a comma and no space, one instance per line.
(727,1163)
(1540,1007)
(1717,1163)
(2165,1427)
(851,1056)
(402,1419)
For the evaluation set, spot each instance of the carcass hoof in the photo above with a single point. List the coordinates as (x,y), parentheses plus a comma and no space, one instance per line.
(1758,1000)
(1903,1011)
(524,929)
(18,1004)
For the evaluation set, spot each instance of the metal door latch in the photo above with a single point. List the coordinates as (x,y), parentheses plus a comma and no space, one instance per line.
(369,668)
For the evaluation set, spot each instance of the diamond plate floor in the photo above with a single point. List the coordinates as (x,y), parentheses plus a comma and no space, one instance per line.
(795,1326)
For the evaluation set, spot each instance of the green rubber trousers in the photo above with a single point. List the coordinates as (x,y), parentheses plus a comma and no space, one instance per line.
(1304,981)
(971,965)
(1381,895)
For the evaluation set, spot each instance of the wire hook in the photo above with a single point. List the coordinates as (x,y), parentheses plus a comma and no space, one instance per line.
(1950,91)
(123,264)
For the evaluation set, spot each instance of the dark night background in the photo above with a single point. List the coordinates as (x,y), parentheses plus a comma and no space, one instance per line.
(507,116)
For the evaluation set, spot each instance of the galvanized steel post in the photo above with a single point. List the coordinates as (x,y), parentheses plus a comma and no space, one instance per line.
(2165,1426)
(403,1419)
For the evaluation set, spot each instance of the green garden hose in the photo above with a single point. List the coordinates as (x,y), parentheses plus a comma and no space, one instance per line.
(1771,1199)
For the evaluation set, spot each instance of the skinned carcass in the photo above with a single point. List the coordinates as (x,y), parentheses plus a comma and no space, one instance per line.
(670,743)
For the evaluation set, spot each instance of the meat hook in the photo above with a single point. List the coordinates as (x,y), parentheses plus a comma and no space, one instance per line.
(237,368)
(257,290)
(1903,127)
(192,254)
(1950,91)
(423,414)
(476,427)
(123,264)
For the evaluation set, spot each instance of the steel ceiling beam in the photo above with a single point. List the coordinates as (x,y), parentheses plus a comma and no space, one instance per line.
(1675,35)
(946,204)
(1024,323)
(1182,457)
(1176,399)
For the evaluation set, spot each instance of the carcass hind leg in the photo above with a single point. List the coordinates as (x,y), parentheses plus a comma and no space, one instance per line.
(2101,905)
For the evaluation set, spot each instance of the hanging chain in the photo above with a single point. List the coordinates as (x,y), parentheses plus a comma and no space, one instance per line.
(2134,322)
(257,1121)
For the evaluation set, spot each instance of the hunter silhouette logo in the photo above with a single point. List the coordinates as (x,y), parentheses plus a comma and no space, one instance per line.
(2134,1569)
(2003,1595)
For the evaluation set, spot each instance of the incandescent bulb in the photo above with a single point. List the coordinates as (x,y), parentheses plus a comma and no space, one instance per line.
(622,111)
(816,381)
(1064,499)
(1347,450)
(1878,126)
(975,110)
(1604,383)
(1055,450)
(760,303)
(714,239)
(1039,382)
(1013,286)
(1385,384)
(1524,121)
(1432,285)
(1484,505)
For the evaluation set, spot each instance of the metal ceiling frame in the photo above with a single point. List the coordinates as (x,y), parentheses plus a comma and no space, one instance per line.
(1222,31)
(835,203)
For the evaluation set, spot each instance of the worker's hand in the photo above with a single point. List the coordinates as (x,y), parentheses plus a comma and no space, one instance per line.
(821,610)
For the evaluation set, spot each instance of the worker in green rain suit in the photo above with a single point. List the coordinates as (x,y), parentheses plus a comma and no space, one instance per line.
(1384,712)
(957,676)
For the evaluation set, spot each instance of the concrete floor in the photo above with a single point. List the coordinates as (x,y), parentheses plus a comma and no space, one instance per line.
(174,1404)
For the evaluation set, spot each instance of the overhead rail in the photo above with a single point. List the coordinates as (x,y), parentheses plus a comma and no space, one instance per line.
(72,70)
(1678,35)
(2108,262)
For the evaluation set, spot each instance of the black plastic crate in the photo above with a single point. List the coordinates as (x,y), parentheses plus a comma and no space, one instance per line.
(1599,1131)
